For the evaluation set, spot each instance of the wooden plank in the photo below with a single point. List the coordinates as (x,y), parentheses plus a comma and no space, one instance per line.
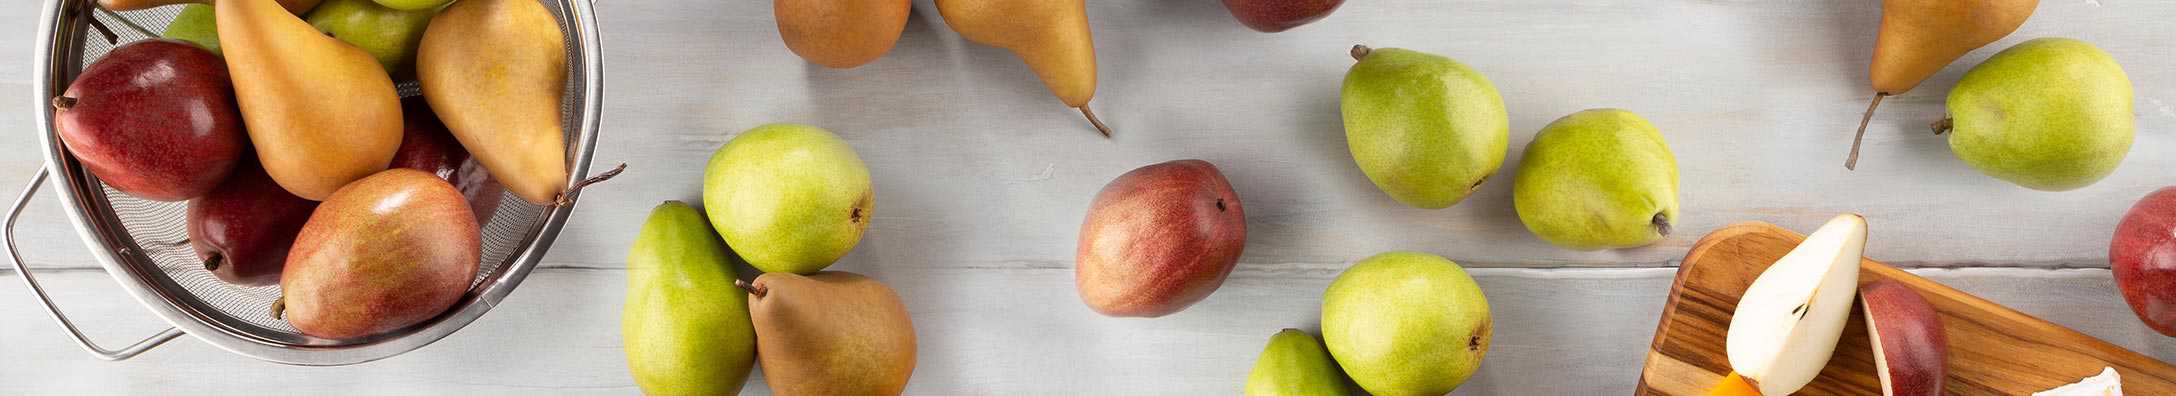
(989,331)
(1993,349)
(976,165)
(983,331)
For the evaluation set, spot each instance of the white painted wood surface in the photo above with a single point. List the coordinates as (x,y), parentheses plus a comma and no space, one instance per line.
(982,178)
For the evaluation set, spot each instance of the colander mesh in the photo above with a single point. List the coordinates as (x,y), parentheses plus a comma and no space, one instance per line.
(160,236)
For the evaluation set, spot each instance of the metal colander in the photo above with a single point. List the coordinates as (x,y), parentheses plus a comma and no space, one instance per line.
(143,244)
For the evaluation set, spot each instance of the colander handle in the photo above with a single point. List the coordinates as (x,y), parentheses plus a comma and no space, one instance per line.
(16,258)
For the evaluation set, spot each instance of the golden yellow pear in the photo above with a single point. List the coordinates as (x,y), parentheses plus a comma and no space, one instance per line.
(293,6)
(321,112)
(1919,37)
(840,34)
(1050,35)
(494,71)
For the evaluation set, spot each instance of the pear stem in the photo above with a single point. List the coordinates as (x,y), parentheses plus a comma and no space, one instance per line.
(279,307)
(1662,224)
(1943,126)
(1360,52)
(64,103)
(566,197)
(213,263)
(1091,114)
(757,291)
(1852,163)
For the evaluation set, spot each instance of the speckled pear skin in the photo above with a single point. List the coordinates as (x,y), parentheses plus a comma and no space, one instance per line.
(2050,114)
(1426,129)
(1406,324)
(1296,364)
(1597,179)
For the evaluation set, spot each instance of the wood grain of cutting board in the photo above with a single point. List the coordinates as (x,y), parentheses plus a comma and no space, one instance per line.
(1993,350)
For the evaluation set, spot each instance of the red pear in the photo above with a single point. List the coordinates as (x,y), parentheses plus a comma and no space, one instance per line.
(2143,258)
(242,229)
(155,119)
(380,254)
(1271,16)
(1159,239)
(427,146)
(1910,350)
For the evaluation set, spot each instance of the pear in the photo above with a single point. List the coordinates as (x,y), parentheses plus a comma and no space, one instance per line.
(320,112)
(1050,35)
(831,333)
(1787,322)
(196,24)
(1426,129)
(494,71)
(685,327)
(1406,323)
(1159,239)
(385,252)
(1597,179)
(788,198)
(2050,114)
(390,35)
(840,34)
(1919,37)
(1295,364)
(296,7)
(413,5)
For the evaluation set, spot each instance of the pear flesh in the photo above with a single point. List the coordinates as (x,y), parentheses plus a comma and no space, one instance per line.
(2050,114)
(1597,179)
(1426,129)
(685,327)
(1787,323)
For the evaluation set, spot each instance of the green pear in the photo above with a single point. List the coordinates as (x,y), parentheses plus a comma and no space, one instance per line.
(2049,114)
(196,25)
(413,5)
(1295,364)
(1406,323)
(1597,179)
(390,35)
(788,198)
(1426,129)
(686,328)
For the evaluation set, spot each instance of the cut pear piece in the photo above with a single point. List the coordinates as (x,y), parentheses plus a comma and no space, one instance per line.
(1910,350)
(1787,323)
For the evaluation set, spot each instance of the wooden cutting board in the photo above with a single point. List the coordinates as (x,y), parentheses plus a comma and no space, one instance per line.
(1993,350)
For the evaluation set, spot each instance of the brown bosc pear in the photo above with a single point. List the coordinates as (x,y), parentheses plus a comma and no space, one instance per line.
(1051,36)
(1920,37)
(320,112)
(296,7)
(830,333)
(494,71)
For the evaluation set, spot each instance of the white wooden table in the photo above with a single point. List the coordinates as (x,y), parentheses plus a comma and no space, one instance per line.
(982,179)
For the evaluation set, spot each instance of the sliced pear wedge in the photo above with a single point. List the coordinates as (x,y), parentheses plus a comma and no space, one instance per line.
(1787,323)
